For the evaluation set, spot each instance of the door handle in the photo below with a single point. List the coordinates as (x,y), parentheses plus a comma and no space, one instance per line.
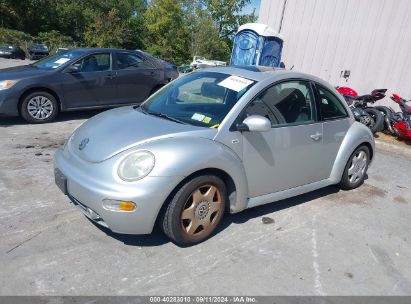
(316,136)
(110,76)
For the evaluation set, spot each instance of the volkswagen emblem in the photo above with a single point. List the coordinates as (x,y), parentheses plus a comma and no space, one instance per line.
(83,143)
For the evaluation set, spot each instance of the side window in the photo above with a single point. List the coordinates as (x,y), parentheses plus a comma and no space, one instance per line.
(330,106)
(95,63)
(131,61)
(290,102)
(257,107)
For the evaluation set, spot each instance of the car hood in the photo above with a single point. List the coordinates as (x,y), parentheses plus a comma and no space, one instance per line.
(20,72)
(117,130)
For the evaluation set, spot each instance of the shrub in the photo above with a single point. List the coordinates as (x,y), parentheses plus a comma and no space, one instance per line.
(14,37)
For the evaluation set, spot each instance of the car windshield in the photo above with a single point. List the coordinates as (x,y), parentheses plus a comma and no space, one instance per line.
(201,99)
(56,60)
(39,47)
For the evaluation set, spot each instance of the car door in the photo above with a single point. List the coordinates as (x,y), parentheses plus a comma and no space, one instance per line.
(290,154)
(94,83)
(336,122)
(136,77)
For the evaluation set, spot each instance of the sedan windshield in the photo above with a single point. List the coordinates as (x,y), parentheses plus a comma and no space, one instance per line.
(56,60)
(201,99)
(39,47)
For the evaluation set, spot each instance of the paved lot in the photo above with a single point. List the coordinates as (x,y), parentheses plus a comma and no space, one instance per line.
(7,63)
(326,242)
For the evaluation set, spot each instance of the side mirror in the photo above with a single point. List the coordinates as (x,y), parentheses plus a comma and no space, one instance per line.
(72,69)
(255,123)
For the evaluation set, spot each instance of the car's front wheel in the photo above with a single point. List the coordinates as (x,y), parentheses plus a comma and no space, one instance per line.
(39,107)
(356,168)
(195,210)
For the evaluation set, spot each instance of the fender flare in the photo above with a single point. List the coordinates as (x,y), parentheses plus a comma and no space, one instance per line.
(47,88)
(357,135)
(183,156)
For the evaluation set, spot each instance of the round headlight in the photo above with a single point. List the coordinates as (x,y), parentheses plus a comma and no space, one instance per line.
(136,165)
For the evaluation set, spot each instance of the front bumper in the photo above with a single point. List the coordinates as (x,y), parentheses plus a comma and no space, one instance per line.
(88,185)
(9,102)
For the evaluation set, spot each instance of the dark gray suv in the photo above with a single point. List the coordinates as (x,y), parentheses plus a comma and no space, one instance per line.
(81,79)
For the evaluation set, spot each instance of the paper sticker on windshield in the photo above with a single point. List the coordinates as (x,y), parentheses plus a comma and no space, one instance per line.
(235,83)
(62,60)
(198,117)
(206,119)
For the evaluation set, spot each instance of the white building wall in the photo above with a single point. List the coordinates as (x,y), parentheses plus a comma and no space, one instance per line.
(371,38)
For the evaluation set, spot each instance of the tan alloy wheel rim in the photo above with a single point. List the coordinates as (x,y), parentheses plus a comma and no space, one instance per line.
(202,211)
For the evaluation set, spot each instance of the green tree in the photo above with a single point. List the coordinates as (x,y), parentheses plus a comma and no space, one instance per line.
(14,37)
(212,25)
(54,39)
(106,30)
(175,30)
(166,31)
(227,14)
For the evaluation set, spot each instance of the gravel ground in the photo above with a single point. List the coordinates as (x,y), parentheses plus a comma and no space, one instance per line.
(327,242)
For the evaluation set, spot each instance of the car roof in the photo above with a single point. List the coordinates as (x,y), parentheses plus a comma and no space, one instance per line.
(97,50)
(260,73)
(91,50)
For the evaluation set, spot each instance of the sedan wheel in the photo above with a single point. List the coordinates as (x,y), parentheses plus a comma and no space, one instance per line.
(195,211)
(356,168)
(39,107)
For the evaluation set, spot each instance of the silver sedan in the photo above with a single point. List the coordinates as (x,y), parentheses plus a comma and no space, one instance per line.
(214,141)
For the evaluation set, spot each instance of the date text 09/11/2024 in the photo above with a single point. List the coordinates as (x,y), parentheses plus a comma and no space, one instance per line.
(203,299)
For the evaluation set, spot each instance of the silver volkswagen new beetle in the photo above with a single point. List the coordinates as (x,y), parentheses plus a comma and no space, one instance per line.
(216,140)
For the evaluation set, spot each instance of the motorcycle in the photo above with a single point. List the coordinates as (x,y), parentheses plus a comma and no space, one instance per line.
(390,118)
(369,116)
(403,123)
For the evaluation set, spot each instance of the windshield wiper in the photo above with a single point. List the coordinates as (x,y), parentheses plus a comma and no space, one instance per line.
(162,115)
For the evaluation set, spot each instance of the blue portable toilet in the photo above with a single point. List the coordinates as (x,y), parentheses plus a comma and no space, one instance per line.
(257,44)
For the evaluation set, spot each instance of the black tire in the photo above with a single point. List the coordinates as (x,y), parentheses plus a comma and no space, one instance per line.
(377,118)
(387,113)
(347,180)
(177,228)
(39,96)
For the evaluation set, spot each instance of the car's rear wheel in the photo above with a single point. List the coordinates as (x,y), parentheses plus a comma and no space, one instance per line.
(39,107)
(195,210)
(356,168)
